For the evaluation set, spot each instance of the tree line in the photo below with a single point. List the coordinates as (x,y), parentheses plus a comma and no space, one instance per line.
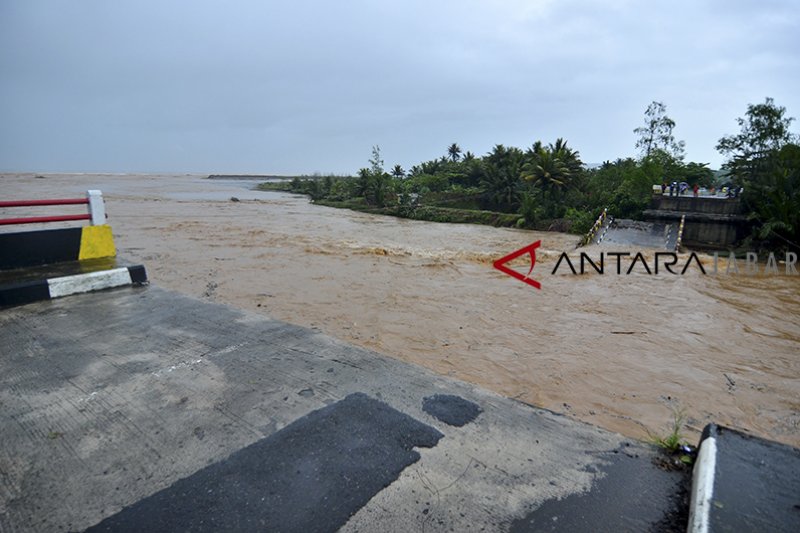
(547,186)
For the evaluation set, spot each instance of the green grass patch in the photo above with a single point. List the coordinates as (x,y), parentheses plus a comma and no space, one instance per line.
(674,443)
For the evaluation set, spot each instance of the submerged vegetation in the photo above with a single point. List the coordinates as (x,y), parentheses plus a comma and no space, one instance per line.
(548,187)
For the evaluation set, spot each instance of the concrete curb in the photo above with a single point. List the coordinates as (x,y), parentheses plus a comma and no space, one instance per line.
(46,289)
(703,482)
(744,483)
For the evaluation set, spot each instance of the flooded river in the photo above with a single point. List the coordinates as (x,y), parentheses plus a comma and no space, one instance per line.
(622,352)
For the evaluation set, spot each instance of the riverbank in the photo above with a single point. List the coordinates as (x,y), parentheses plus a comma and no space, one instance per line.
(430,213)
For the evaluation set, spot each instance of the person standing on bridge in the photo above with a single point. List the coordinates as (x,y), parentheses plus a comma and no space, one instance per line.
(696,188)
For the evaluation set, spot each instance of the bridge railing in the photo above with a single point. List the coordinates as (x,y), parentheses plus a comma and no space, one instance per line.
(96,212)
(680,234)
(598,225)
(55,243)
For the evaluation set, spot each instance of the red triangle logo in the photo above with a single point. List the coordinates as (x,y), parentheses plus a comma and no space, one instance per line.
(500,264)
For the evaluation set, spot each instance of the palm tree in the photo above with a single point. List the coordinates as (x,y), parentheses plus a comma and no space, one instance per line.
(454,151)
(375,187)
(500,155)
(551,169)
(570,157)
(431,167)
(398,171)
(502,177)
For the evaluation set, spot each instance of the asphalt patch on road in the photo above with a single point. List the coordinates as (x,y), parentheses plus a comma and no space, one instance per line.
(310,476)
(450,409)
(631,494)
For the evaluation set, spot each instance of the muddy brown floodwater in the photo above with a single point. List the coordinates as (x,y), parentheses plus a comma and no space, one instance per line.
(622,352)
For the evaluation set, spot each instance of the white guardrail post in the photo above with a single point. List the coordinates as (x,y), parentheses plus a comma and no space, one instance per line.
(97,208)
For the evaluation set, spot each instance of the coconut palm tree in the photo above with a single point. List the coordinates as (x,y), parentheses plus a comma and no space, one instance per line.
(454,151)
(502,177)
(552,170)
(398,171)
(431,167)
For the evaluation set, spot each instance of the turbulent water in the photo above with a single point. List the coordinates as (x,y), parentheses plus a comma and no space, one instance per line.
(624,352)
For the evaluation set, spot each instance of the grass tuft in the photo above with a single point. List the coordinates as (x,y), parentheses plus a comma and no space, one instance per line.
(674,443)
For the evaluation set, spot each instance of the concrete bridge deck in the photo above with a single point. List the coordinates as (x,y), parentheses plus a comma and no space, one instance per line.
(142,409)
(623,232)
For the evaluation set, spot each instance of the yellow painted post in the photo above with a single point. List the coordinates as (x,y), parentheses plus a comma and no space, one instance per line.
(97,242)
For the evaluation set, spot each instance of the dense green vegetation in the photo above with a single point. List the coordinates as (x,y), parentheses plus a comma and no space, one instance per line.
(764,158)
(549,187)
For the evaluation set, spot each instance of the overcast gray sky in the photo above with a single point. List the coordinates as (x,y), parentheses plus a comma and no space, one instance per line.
(308,85)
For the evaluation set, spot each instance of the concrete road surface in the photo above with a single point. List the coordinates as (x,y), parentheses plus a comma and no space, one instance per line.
(142,409)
